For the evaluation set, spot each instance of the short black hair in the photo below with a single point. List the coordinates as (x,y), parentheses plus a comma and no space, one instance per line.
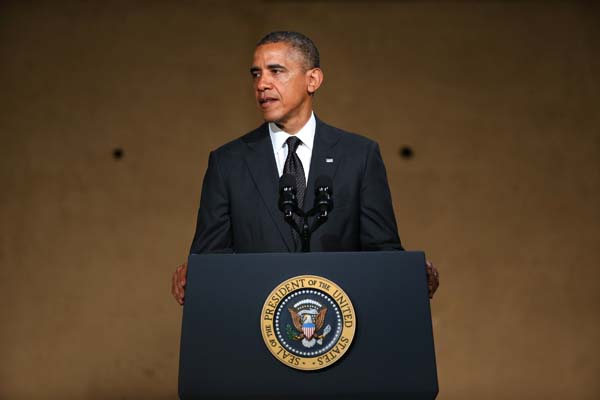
(298,41)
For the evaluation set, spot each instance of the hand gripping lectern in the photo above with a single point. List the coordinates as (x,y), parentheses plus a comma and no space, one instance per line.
(353,325)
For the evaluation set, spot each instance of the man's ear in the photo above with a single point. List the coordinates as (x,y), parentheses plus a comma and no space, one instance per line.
(315,78)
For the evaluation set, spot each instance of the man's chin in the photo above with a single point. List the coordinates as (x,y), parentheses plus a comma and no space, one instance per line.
(271,117)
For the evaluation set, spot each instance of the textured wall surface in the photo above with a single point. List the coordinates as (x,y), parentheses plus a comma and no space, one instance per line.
(498,100)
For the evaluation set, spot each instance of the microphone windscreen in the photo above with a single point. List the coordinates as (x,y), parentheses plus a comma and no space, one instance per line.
(324,181)
(287,180)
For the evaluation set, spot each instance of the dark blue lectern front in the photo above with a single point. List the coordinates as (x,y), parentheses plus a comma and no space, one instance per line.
(223,354)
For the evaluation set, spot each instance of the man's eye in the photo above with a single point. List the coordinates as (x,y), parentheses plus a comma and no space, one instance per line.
(255,74)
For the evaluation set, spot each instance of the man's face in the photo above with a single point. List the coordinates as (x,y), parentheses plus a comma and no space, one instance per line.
(281,83)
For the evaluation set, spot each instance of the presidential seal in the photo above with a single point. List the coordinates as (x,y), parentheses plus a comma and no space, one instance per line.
(308,322)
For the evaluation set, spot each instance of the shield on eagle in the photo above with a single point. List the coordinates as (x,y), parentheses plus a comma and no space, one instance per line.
(308,328)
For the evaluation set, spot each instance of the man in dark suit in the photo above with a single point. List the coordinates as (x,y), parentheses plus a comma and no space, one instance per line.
(239,204)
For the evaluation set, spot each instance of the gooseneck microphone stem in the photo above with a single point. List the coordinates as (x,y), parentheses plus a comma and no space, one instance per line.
(305,235)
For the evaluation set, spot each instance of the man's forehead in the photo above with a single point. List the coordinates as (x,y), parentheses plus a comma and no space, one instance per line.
(279,53)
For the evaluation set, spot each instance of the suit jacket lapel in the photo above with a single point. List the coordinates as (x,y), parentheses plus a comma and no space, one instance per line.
(263,168)
(324,161)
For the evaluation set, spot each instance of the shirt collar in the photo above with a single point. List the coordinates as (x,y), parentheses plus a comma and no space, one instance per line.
(306,134)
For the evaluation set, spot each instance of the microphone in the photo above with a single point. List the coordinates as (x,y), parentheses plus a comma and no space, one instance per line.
(323,193)
(287,195)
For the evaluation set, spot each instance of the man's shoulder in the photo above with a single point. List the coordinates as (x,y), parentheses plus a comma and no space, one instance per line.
(345,137)
(240,144)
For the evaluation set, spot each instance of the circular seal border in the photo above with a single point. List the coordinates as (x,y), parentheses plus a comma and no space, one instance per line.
(268,328)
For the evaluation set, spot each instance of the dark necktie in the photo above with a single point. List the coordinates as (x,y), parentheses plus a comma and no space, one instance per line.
(293,166)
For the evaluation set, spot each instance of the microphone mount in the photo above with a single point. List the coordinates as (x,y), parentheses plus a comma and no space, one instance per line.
(323,205)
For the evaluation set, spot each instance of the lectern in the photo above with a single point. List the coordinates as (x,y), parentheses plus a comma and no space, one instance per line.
(353,325)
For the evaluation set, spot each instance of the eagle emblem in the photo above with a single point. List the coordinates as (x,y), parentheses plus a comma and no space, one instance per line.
(308,322)
(308,317)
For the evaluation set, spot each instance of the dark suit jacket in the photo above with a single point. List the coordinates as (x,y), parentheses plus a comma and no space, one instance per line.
(239,204)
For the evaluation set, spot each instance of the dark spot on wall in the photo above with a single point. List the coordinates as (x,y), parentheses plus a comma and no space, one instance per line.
(118,153)
(406,152)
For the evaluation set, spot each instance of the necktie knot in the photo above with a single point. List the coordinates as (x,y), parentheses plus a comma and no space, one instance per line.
(293,142)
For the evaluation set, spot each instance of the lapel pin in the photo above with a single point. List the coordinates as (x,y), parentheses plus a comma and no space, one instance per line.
(329,160)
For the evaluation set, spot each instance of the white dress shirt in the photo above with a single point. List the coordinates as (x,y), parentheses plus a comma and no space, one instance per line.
(304,150)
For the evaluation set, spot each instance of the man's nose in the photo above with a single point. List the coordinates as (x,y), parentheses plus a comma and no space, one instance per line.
(263,82)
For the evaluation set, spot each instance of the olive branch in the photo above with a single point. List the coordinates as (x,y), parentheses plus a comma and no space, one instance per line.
(291,332)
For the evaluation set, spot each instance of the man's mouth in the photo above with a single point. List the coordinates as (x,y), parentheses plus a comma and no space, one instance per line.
(267,101)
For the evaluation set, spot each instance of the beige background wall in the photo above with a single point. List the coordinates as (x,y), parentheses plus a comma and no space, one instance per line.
(498,100)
